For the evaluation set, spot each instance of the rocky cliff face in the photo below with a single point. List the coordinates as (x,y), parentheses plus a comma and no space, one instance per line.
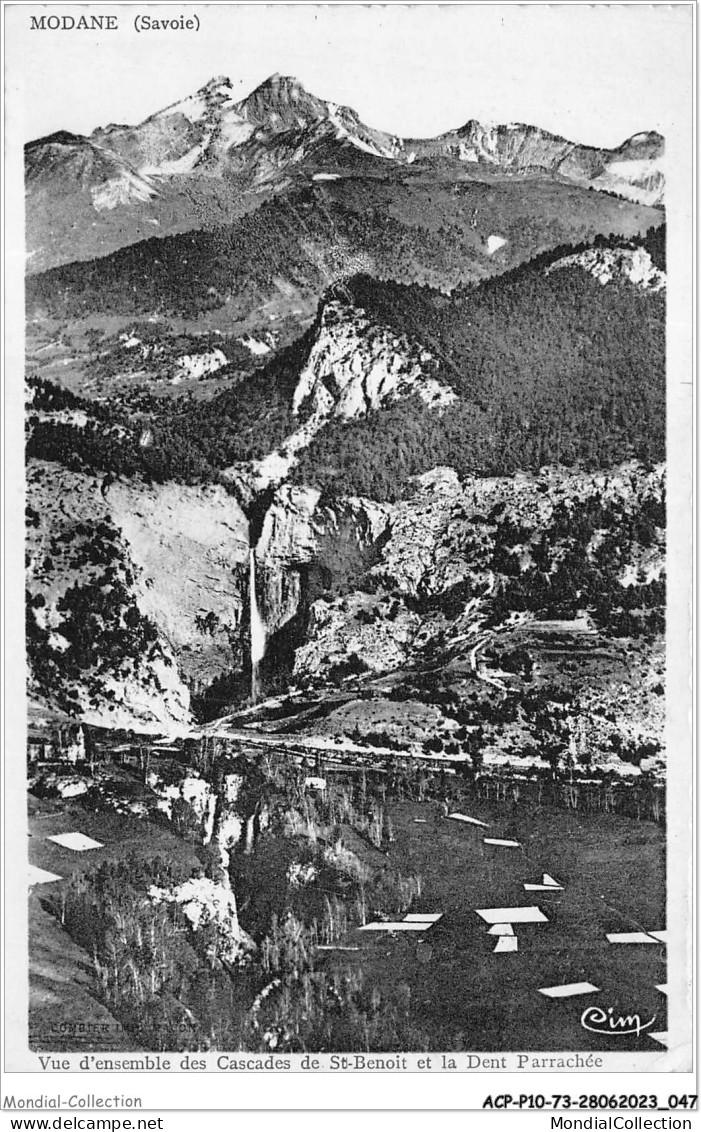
(496,596)
(144,599)
(443,534)
(445,613)
(139,598)
(136,595)
(353,366)
(356,366)
(304,548)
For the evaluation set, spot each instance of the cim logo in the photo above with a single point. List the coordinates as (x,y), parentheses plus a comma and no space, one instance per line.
(600,1021)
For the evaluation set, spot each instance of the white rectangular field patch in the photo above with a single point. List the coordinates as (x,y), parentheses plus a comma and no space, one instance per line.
(76,841)
(423,918)
(501,841)
(527,915)
(471,821)
(543,887)
(630,937)
(396,926)
(41,876)
(567,990)
(501,929)
(506,943)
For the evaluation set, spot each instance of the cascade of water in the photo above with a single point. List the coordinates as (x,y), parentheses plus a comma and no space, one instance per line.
(257,626)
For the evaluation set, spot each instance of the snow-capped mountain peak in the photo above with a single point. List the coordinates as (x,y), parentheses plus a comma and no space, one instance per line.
(211,149)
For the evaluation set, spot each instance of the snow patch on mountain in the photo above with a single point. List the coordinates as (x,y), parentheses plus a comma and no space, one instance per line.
(360,144)
(638,179)
(180,166)
(232,132)
(494,243)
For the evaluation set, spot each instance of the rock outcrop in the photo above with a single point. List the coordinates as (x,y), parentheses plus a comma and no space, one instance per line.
(356,366)
(304,547)
(353,366)
(609,265)
(198,365)
(635,169)
(210,907)
(354,634)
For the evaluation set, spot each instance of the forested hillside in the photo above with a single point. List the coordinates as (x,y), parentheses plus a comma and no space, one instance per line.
(433,232)
(548,369)
(302,239)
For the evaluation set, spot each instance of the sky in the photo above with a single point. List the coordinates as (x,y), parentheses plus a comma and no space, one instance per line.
(593,73)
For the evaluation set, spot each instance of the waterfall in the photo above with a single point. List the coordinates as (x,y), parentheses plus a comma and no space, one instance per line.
(257,626)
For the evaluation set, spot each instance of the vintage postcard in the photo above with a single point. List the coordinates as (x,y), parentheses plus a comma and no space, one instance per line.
(348,479)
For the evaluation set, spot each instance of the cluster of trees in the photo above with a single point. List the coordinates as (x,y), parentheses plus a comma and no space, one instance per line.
(50,398)
(565,576)
(103,631)
(151,972)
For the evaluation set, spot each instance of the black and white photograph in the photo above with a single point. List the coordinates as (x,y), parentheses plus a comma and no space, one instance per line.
(350,400)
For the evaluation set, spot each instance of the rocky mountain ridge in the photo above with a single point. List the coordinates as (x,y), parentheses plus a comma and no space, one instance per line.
(210,159)
(206,129)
